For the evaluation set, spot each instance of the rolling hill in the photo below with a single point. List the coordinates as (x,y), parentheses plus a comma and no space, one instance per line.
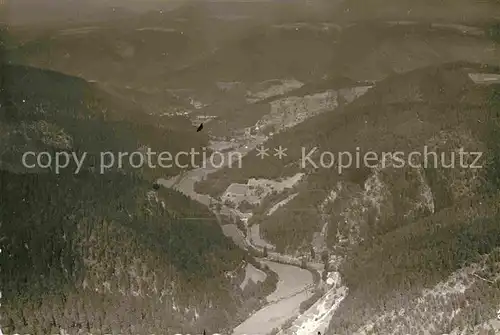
(104,252)
(402,231)
(399,249)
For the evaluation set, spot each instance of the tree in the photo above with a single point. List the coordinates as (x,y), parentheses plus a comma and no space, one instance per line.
(324,256)
(313,253)
(303,263)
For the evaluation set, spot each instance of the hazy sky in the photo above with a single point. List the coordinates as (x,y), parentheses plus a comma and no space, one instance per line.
(36,11)
(41,11)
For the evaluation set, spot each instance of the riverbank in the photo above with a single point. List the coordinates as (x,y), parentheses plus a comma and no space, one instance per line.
(295,284)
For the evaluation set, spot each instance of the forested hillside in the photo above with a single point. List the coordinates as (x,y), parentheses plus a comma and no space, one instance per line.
(103,252)
(99,253)
(73,115)
(459,235)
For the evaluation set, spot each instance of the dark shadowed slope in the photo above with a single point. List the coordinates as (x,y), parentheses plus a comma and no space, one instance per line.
(102,253)
(72,114)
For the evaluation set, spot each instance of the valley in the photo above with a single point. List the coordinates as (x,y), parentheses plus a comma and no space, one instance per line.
(248,243)
(294,284)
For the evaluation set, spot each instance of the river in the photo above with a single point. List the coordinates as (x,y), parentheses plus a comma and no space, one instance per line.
(295,284)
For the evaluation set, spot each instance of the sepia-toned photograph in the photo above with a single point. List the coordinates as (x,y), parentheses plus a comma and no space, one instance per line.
(249,167)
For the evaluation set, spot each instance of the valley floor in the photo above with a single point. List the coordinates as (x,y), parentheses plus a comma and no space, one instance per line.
(295,284)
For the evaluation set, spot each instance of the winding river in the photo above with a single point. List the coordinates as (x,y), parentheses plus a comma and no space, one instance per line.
(295,285)
(293,288)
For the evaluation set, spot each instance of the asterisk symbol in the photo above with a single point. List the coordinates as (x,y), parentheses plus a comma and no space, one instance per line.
(262,152)
(280,152)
